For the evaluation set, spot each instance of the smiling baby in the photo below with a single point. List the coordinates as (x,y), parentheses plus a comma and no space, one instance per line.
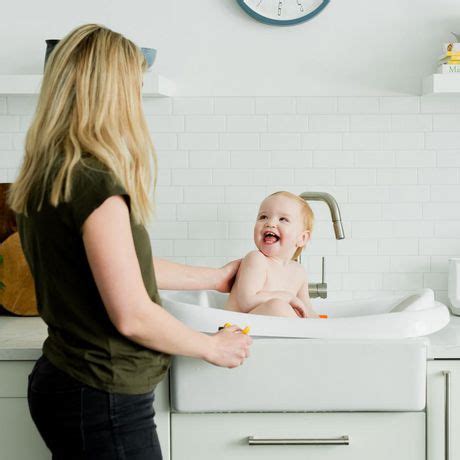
(270,281)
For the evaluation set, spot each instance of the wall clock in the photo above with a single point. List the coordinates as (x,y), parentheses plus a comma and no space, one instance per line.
(283,12)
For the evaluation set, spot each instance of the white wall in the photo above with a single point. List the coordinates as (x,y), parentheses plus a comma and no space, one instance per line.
(255,113)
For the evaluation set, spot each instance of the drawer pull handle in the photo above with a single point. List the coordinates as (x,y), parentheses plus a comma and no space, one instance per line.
(260,441)
(446,414)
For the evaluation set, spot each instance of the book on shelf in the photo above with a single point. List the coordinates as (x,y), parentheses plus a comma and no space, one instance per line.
(452,47)
(448,68)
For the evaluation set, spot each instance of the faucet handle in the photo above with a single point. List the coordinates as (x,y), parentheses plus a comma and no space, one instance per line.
(322,269)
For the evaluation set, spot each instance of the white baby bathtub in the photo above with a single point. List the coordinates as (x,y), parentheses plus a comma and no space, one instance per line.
(389,317)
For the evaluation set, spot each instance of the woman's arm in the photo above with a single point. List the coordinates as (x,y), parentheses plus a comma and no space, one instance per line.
(112,257)
(175,276)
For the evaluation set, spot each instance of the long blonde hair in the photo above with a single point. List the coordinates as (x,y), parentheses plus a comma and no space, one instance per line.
(90,103)
(307,216)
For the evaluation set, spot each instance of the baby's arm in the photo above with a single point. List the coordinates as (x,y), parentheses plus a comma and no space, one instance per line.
(251,278)
(304,296)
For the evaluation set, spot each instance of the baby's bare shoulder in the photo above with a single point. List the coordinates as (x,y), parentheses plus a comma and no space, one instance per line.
(255,257)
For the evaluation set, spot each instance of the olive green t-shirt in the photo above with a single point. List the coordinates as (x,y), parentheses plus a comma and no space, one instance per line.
(82,341)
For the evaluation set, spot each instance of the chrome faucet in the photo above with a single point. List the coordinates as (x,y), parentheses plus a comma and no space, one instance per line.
(320,289)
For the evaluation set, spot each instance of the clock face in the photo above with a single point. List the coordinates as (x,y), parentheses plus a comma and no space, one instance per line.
(283,12)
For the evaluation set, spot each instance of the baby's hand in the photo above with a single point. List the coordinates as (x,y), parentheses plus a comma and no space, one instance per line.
(312,313)
(298,306)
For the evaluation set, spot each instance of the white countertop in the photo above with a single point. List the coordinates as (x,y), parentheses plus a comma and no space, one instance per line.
(22,339)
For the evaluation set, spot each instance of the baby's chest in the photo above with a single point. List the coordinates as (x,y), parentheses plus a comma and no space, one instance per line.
(282,279)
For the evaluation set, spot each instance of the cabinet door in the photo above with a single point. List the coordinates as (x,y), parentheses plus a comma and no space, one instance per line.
(318,436)
(443,410)
(19,438)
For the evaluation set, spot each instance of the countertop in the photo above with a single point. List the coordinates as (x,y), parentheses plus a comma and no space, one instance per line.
(22,338)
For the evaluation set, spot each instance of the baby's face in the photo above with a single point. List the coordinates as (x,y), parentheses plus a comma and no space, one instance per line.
(283,217)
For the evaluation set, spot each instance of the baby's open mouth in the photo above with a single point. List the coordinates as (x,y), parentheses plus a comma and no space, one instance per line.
(270,237)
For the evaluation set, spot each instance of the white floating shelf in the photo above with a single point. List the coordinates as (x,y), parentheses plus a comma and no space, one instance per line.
(154,85)
(441,83)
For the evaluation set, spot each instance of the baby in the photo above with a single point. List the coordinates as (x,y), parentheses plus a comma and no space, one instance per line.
(270,281)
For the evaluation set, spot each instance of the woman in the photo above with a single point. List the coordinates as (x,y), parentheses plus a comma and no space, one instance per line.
(82,200)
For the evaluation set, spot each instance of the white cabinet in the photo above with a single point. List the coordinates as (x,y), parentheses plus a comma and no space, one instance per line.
(19,438)
(443,410)
(318,436)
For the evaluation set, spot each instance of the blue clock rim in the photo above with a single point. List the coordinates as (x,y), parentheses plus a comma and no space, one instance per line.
(287,22)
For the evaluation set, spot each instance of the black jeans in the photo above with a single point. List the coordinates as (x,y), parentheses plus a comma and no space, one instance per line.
(79,422)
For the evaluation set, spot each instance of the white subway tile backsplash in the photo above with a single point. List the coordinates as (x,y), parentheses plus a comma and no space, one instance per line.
(398,246)
(374,159)
(271,105)
(191,177)
(212,230)
(209,159)
(157,105)
(406,104)
(355,176)
(232,177)
(237,141)
(242,194)
(411,123)
(408,264)
(250,159)
(392,164)
(193,105)
(333,159)
(9,123)
(168,230)
(205,123)
(204,194)
(435,211)
(246,123)
(328,123)
(398,211)
(442,140)
(280,141)
(291,159)
(362,141)
(21,105)
(194,247)
(373,123)
(438,176)
(234,105)
(440,104)
(198,141)
(197,212)
(316,104)
(358,104)
(448,158)
(311,177)
(416,158)
(172,159)
(403,141)
(321,141)
(273,177)
(165,123)
(287,123)
(6,141)
(393,176)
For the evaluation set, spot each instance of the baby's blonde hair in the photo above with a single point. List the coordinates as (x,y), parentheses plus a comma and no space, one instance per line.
(307,214)
(90,103)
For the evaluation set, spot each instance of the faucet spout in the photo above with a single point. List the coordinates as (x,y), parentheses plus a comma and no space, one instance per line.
(333,207)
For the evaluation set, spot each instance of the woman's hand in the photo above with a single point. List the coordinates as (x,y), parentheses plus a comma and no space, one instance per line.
(230,347)
(226,276)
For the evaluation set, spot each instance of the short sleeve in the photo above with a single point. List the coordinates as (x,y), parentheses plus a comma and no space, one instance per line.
(91,187)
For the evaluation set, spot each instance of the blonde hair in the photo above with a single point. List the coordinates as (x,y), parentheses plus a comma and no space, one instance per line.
(90,103)
(307,216)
